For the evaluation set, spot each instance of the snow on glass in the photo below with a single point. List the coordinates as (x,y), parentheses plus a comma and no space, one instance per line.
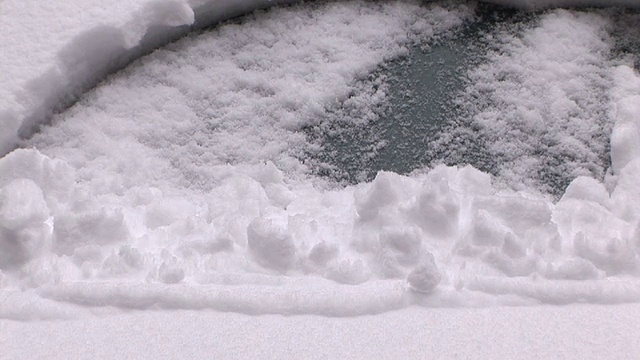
(183,175)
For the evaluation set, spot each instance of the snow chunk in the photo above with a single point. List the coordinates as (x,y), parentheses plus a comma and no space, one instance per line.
(170,271)
(349,271)
(403,244)
(572,269)
(382,193)
(272,245)
(626,132)
(625,199)
(323,252)
(587,189)
(437,209)
(24,228)
(426,277)
(159,13)
(100,226)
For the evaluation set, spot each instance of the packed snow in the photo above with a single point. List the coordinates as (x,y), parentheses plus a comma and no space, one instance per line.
(583,332)
(178,182)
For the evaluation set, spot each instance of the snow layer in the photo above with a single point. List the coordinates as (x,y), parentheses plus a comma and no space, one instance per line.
(527,333)
(545,4)
(541,103)
(192,196)
(46,64)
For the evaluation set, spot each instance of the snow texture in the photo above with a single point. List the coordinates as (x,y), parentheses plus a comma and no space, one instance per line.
(545,4)
(176,183)
(526,333)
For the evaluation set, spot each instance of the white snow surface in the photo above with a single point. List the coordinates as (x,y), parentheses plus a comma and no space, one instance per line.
(584,332)
(175,183)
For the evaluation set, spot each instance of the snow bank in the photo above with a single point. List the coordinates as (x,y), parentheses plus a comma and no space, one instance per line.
(192,197)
